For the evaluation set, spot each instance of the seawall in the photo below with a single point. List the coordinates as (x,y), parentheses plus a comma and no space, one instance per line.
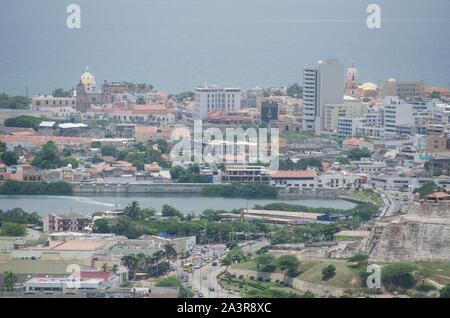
(138,187)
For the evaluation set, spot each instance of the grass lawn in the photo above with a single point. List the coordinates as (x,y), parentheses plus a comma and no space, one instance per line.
(346,276)
(311,271)
(345,237)
(365,196)
(235,284)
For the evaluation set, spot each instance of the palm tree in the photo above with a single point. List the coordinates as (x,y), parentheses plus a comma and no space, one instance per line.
(131,262)
(10,280)
(157,256)
(115,268)
(132,210)
(105,267)
(169,250)
(422,274)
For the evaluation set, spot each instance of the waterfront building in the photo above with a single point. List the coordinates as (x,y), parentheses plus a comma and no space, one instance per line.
(302,179)
(64,222)
(245,174)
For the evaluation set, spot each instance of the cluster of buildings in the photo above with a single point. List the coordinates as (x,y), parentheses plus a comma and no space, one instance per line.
(68,258)
(405,124)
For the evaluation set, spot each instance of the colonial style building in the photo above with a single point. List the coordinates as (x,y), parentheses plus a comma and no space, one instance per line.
(87,94)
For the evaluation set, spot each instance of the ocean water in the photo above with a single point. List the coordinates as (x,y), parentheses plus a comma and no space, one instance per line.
(178,44)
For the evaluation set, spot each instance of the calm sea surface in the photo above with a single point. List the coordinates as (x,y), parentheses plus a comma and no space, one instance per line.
(187,204)
(178,44)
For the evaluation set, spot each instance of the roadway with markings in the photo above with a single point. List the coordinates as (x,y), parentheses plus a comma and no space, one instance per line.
(203,279)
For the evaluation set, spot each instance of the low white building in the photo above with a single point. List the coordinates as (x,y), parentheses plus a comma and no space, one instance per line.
(63,284)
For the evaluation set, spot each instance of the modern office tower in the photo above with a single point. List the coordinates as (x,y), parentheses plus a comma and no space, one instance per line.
(310,86)
(211,97)
(322,84)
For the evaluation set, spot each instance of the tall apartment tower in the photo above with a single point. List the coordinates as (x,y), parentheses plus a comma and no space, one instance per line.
(323,84)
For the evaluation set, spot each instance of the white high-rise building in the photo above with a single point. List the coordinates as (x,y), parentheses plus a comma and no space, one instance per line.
(398,118)
(322,84)
(211,97)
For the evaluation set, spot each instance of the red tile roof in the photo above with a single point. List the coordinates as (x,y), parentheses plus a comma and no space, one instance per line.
(354,141)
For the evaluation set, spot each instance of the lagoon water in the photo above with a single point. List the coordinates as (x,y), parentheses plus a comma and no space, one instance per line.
(178,44)
(46,204)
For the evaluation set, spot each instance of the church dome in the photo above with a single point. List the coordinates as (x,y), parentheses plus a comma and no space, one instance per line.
(88,81)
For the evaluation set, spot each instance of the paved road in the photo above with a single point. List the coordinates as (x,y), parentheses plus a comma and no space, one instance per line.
(396,201)
(197,280)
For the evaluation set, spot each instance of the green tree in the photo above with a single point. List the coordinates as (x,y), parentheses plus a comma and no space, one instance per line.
(357,153)
(96,144)
(131,262)
(169,250)
(426,189)
(25,121)
(264,260)
(105,267)
(422,274)
(108,150)
(434,94)
(140,100)
(295,90)
(168,210)
(289,263)
(72,161)
(158,255)
(445,291)
(132,210)
(328,272)
(9,158)
(115,268)
(101,226)
(59,92)
(14,102)
(13,229)
(48,157)
(10,280)
(2,146)
(398,275)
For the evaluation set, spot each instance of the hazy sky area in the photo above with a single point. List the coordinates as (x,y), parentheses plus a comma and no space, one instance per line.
(176,45)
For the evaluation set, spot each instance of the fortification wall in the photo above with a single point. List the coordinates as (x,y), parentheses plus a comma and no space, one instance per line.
(421,235)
